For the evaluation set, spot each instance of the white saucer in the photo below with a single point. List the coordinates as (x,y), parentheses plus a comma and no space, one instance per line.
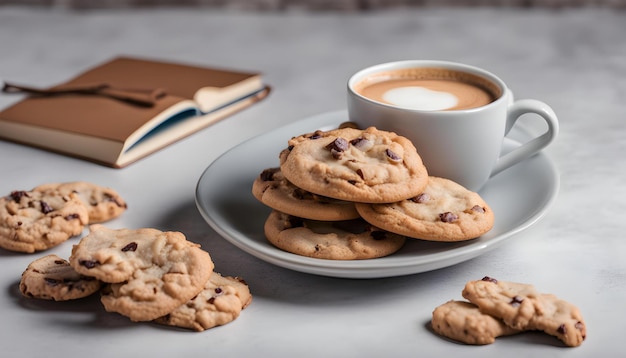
(518,196)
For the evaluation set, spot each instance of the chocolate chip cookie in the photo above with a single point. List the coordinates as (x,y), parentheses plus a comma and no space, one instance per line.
(150,272)
(102,203)
(52,278)
(333,240)
(463,322)
(370,165)
(274,190)
(37,220)
(444,211)
(522,307)
(221,302)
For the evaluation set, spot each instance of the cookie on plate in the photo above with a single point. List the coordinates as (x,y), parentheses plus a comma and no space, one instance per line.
(52,278)
(37,220)
(102,203)
(333,240)
(274,190)
(444,211)
(370,165)
(221,302)
(522,307)
(150,272)
(463,322)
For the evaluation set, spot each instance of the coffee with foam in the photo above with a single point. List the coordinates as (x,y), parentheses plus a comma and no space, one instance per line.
(456,116)
(428,89)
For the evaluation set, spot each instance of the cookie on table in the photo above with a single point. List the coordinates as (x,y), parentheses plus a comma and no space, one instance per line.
(150,272)
(221,302)
(103,203)
(333,240)
(522,307)
(52,278)
(37,220)
(463,322)
(444,211)
(370,165)
(274,190)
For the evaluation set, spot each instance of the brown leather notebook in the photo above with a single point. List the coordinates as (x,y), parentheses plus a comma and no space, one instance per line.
(126,108)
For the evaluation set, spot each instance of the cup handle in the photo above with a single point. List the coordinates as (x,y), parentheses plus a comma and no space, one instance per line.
(526,150)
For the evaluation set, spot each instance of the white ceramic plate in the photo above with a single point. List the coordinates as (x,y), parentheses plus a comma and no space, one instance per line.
(518,196)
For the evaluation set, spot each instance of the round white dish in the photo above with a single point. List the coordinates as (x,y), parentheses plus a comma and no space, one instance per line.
(519,197)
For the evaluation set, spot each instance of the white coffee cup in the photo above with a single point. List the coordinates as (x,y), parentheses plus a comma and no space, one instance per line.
(459,143)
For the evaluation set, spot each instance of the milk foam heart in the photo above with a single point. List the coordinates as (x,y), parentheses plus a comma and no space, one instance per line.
(420,98)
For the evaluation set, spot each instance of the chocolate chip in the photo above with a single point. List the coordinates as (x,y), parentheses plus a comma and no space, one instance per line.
(88,263)
(393,156)
(336,154)
(301,194)
(72,217)
(359,172)
(378,235)
(17,195)
(111,198)
(421,198)
(52,281)
(562,329)
(268,174)
(448,217)
(339,145)
(211,300)
(355,142)
(130,247)
(489,279)
(316,135)
(579,325)
(361,143)
(218,290)
(45,208)
(478,209)
(295,221)
(516,301)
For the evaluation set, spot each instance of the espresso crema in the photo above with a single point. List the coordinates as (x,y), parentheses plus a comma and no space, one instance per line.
(429,89)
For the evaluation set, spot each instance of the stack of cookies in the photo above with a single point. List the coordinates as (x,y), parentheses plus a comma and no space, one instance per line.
(354,193)
(144,274)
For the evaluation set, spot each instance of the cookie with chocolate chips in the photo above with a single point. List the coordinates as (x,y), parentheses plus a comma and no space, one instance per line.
(333,240)
(520,306)
(369,165)
(150,272)
(102,203)
(52,278)
(221,302)
(463,322)
(444,211)
(274,190)
(37,220)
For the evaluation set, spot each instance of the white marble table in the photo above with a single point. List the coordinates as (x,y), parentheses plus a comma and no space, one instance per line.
(574,60)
